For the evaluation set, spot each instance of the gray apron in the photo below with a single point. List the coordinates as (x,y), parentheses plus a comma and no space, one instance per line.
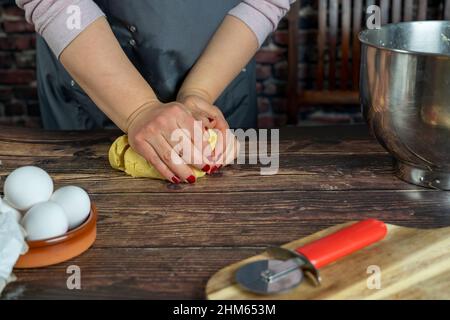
(163,39)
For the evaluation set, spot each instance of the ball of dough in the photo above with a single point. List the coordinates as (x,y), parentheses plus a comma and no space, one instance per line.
(122,157)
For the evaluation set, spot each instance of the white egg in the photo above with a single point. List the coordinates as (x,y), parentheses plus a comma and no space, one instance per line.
(27,186)
(5,207)
(44,221)
(75,202)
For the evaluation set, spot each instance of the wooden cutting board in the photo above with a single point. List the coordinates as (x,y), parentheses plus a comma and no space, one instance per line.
(414,264)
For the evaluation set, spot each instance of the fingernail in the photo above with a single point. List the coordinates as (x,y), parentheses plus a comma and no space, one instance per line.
(206,168)
(191,179)
(214,169)
(176,180)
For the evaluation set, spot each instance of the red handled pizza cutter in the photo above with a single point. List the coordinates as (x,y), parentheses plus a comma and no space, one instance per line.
(287,269)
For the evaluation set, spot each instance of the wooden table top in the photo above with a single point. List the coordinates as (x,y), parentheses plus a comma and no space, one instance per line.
(157,241)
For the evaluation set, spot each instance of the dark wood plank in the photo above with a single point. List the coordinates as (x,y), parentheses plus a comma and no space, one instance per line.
(163,272)
(308,140)
(340,158)
(296,172)
(303,146)
(254,218)
(160,241)
(126,273)
(36,135)
(81,138)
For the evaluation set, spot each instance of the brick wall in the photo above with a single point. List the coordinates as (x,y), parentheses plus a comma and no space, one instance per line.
(18,97)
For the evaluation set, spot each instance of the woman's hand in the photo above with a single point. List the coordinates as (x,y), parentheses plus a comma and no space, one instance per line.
(228,52)
(227,147)
(151,130)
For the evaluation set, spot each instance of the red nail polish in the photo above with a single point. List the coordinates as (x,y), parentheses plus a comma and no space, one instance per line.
(191,179)
(176,180)
(206,168)
(214,169)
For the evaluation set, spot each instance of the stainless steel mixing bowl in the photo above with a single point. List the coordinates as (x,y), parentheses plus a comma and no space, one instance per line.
(405,97)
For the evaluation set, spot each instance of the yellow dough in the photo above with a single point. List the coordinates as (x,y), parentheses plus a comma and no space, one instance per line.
(122,157)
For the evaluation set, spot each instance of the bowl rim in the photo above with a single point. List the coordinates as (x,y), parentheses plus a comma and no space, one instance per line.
(90,222)
(411,52)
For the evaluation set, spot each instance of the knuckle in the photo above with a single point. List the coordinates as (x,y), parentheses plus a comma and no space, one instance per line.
(159,121)
(139,136)
(161,168)
(189,100)
(174,108)
(166,156)
(151,129)
(215,110)
(137,144)
(153,158)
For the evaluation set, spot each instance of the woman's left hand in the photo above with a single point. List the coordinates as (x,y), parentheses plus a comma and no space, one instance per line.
(227,147)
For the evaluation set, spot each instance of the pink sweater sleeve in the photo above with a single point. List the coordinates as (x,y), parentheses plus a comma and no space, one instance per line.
(262,16)
(60,21)
(55,19)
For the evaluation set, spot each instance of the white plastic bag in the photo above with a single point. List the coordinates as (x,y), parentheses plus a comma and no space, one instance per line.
(12,243)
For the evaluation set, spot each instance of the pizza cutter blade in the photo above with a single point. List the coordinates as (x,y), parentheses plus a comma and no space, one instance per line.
(286,271)
(254,276)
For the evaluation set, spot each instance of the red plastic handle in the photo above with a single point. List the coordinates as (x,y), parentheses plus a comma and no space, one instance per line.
(343,242)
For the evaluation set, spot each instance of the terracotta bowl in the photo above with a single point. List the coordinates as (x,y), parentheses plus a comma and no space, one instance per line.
(43,253)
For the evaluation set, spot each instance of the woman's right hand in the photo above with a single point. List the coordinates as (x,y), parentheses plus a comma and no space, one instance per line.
(150,132)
